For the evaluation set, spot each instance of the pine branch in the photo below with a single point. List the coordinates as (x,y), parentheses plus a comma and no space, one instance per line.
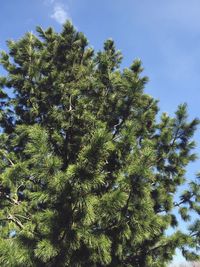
(12,200)
(10,217)
(6,156)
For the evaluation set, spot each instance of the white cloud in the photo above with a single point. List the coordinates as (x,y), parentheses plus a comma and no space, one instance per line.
(60,14)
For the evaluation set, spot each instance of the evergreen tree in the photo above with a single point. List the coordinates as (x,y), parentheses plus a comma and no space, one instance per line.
(89,175)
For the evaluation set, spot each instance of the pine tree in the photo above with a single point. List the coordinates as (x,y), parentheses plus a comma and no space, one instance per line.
(89,175)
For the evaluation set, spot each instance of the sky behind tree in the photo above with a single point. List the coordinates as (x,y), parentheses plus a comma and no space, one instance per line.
(165,35)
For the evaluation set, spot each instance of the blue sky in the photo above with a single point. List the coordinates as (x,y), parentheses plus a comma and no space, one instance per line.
(165,35)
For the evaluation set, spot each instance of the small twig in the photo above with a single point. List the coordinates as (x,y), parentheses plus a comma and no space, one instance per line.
(15,220)
(24,217)
(4,154)
(70,103)
(13,200)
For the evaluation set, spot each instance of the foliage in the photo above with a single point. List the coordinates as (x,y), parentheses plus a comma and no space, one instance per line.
(88,174)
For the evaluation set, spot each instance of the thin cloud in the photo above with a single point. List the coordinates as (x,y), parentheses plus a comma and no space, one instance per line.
(60,14)
(179,14)
(49,2)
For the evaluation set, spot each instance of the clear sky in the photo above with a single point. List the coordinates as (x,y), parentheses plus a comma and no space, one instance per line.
(165,35)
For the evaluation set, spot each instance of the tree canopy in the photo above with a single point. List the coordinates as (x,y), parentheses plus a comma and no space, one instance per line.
(89,175)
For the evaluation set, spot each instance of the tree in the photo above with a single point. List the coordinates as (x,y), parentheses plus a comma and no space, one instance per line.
(88,173)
